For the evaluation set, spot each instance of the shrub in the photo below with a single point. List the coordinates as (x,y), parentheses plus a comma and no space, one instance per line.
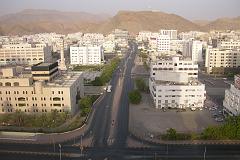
(134,97)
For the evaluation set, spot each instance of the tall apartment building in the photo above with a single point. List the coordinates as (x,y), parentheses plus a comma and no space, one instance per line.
(175,64)
(171,33)
(171,87)
(42,91)
(217,60)
(163,43)
(86,55)
(25,53)
(231,103)
(193,49)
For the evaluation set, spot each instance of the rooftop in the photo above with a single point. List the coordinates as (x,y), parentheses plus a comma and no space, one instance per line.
(192,82)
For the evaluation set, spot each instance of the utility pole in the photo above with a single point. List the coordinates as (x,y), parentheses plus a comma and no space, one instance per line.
(60,151)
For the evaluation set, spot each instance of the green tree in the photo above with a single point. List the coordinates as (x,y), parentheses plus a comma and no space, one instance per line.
(134,97)
(171,134)
(140,84)
(85,105)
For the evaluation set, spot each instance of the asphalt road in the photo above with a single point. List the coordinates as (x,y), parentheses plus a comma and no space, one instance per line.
(99,130)
(184,152)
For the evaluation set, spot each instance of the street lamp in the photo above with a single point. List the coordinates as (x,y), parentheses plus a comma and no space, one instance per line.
(204,154)
(60,151)
(81,146)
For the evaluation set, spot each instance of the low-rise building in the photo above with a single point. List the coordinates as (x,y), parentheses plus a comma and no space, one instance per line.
(32,93)
(231,101)
(25,53)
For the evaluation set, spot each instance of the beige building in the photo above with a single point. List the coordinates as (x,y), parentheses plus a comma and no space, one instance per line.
(230,44)
(30,93)
(221,58)
(25,53)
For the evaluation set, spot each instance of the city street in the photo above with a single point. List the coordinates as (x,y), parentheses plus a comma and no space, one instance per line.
(114,106)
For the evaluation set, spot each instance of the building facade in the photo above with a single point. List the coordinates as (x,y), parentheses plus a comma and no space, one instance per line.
(30,94)
(25,53)
(217,59)
(171,33)
(163,43)
(193,49)
(86,55)
(173,84)
(176,64)
(231,101)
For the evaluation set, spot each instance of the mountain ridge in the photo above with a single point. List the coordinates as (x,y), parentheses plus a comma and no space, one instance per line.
(32,21)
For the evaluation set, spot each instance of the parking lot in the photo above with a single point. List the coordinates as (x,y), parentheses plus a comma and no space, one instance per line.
(215,87)
(145,119)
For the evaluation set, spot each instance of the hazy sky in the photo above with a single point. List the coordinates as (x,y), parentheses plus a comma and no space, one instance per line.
(190,9)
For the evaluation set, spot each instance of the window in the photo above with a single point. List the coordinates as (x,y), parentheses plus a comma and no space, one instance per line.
(7,84)
(16,84)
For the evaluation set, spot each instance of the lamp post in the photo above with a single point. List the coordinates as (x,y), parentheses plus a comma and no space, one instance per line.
(81,146)
(60,151)
(204,154)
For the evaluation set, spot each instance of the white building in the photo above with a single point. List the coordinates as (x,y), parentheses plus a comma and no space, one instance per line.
(221,58)
(193,49)
(176,45)
(41,91)
(153,43)
(109,46)
(163,43)
(25,53)
(171,89)
(143,36)
(171,33)
(175,64)
(231,102)
(86,55)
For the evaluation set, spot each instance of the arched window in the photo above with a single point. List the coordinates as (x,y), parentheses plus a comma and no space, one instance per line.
(16,83)
(7,84)
(1,84)
(34,59)
(40,59)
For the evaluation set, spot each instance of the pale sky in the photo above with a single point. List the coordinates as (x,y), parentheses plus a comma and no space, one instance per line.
(190,9)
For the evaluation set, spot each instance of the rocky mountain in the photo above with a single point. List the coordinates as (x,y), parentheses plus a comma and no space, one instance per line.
(147,20)
(201,22)
(36,21)
(224,24)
